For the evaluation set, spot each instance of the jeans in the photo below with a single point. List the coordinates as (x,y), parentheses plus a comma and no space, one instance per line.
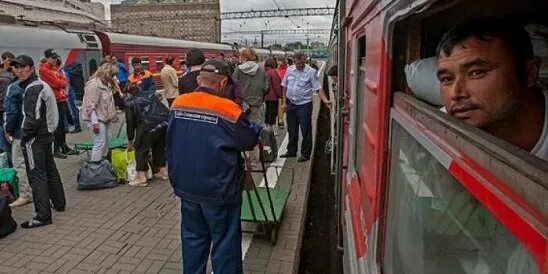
(73,111)
(299,116)
(19,164)
(100,141)
(205,225)
(43,176)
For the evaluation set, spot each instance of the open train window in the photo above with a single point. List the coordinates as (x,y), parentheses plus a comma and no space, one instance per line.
(450,226)
(360,96)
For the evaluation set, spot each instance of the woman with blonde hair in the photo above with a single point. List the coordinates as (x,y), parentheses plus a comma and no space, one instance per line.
(98,108)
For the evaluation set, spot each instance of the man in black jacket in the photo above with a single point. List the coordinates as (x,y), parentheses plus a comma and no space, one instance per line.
(188,82)
(39,122)
(6,78)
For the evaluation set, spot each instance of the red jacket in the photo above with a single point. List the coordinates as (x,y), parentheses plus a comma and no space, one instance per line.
(281,71)
(55,79)
(275,82)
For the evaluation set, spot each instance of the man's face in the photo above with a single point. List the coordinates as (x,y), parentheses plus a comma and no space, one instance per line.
(480,83)
(136,67)
(300,63)
(23,72)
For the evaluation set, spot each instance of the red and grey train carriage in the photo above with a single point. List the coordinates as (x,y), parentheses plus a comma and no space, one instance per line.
(421,191)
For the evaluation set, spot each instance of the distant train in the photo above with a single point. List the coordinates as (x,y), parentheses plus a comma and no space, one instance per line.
(88,47)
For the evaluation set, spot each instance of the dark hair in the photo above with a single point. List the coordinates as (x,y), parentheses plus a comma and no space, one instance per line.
(169,60)
(7,54)
(333,71)
(183,63)
(195,57)
(299,55)
(136,60)
(271,63)
(514,37)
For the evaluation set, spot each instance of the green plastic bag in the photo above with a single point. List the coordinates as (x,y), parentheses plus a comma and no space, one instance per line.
(9,176)
(119,160)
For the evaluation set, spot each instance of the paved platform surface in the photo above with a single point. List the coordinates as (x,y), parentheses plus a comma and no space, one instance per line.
(137,230)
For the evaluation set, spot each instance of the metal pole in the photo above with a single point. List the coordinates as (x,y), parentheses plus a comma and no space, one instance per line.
(262,39)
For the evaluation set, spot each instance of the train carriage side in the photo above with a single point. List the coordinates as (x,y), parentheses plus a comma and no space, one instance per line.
(74,46)
(424,193)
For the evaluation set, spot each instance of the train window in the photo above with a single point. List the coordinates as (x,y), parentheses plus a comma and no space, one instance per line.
(145,64)
(434,224)
(159,63)
(357,111)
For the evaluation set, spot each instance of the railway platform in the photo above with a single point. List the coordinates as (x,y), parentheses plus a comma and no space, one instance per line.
(137,230)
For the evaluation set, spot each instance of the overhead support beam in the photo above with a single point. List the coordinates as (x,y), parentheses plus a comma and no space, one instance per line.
(279,32)
(277,13)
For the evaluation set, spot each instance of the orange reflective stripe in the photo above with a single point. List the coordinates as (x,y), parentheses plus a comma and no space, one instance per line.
(209,103)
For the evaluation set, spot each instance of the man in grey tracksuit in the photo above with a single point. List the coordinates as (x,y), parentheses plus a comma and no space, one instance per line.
(39,122)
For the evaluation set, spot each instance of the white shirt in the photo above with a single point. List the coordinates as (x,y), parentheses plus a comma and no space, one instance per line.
(541,148)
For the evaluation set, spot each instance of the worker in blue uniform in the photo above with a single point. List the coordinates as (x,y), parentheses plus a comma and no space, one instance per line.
(206,134)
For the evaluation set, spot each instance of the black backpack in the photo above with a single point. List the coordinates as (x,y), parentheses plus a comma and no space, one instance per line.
(7,223)
(151,112)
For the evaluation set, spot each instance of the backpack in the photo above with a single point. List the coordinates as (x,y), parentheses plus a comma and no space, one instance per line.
(151,112)
(7,223)
(269,147)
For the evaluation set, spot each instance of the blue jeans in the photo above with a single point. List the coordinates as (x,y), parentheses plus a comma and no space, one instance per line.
(206,225)
(299,116)
(73,110)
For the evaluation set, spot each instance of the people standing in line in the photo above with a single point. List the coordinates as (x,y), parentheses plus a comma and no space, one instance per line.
(188,83)
(98,109)
(146,120)
(7,77)
(13,119)
(51,75)
(142,77)
(73,114)
(206,173)
(299,85)
(274,94)
(40,119)
(252,79)
(170,81)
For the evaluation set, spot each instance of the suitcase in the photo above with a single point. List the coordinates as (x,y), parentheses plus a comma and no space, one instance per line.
(269,151)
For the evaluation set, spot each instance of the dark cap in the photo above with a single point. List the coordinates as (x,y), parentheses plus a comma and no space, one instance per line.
(217,67)
(22,60)
(50,53)
(136,60)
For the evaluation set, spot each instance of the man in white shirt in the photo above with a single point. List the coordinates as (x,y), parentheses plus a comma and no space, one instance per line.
(488,74)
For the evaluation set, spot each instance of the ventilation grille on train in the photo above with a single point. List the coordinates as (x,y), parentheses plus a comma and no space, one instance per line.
(89,40)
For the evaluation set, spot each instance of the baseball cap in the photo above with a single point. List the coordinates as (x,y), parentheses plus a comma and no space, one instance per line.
(195,57)
(22,60)
(217,67)
(50,53)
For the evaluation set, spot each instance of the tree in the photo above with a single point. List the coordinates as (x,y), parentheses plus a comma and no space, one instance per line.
(276,47)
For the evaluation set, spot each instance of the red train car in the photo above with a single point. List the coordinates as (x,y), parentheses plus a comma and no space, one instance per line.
(422,192)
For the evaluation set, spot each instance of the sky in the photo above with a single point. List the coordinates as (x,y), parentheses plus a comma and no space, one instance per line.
(314,22)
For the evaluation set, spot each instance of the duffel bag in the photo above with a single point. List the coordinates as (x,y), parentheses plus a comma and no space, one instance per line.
(96,175)
(7,223)
(269,151)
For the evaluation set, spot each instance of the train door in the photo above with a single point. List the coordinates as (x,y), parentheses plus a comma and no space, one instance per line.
(91,59)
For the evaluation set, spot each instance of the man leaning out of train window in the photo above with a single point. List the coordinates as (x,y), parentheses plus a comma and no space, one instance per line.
(489,79)
(142,77)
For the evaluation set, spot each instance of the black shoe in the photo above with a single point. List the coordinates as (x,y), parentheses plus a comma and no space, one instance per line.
(76,130)
(288,155)
(33,223)
(59,209)
(60,155)
(303,159)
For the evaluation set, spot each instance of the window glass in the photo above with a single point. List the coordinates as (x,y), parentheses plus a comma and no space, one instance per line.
(436,226)
(145,62)
(360,96)
(159,63)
